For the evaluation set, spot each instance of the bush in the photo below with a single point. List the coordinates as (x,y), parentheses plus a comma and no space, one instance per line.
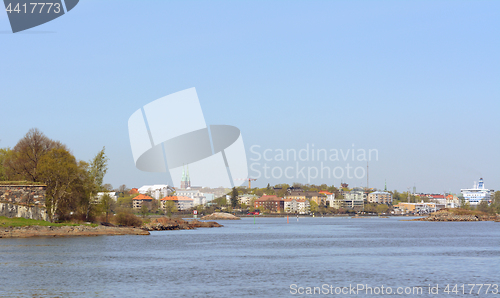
(127,219)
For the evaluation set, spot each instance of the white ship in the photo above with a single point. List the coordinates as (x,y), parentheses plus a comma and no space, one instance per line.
(475,195)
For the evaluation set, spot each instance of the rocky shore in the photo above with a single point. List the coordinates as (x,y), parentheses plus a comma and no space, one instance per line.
(164,224)
(220,216)
(459,215)
(65,231)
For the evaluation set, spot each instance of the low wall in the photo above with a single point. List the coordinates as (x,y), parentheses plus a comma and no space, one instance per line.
(23,194)
(14,210)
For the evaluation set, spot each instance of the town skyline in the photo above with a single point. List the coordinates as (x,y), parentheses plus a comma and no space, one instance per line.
(394,77)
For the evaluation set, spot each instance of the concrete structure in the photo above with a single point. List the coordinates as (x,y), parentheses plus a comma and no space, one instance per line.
(478,193)
(23,194)
(15,210)
(380,197)
(181,202)
(141,199)
(271,203)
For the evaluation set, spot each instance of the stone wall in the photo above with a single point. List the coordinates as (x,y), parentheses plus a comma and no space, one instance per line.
(14,210)
(23,194)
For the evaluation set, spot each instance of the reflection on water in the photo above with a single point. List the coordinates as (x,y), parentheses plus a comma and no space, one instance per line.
(261,260)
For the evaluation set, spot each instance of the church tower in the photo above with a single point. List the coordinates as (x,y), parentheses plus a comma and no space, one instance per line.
(185,180)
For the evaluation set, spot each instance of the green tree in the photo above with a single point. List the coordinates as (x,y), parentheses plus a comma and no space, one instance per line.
(58,169)
(107,205)
(170,208)
(4,152)
(96,170)
(126,202)
(495,202)
(314,206)
(483,206)
(382,208)
(234,198)
(144,209)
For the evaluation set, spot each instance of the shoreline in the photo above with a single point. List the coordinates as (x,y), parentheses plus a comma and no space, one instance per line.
(67,231)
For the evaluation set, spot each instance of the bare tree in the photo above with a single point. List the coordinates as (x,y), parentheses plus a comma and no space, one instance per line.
(26,155)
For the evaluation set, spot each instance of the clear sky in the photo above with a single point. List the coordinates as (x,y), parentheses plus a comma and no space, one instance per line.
(418,81)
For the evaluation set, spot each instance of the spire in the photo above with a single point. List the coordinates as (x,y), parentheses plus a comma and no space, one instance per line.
(385,188)
(183,173)
(187,173)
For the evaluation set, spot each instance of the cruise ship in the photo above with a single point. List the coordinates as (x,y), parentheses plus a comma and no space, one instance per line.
(475,195)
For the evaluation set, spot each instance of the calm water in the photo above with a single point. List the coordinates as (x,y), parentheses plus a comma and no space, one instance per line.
(261,260)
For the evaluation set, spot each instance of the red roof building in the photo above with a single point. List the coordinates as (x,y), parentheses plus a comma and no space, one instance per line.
(140,199)
(272,203)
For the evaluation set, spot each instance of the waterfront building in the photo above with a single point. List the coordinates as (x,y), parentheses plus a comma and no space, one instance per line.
(452,201)
(380,197)
(271,203)
(181,202)
(478,193)
(329,198)
(303,206)
(290,205)
(141,199)
(354,199)
(421,207)
(314,196)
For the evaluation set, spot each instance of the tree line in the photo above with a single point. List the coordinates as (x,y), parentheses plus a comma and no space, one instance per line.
(71,184)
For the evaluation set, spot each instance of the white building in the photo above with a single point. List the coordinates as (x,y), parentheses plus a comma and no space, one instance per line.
(181,202)
(478,193)
(381,197)
(156,191)
(291,206)
(303,206)
(113,195)
(330,200)
(247,199)
(354,198)
(198,197)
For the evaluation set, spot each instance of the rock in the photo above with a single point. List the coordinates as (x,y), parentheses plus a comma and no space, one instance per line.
(220,216)
(165,223)
(458,215)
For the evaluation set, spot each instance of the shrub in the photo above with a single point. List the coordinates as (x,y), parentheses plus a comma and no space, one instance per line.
(127,219)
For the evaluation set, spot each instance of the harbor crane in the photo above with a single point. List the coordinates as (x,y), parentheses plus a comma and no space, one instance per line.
(249,181)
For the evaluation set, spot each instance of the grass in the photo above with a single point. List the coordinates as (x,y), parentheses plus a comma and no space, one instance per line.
(21,183)
(24,222)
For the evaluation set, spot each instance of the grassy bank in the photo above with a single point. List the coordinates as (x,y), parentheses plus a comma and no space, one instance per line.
(24,222)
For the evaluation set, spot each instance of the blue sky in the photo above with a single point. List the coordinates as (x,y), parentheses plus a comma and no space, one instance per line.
(419,81)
